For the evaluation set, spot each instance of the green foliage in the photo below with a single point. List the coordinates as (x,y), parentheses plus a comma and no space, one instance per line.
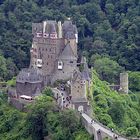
(117,111)
(42,119)
(3,68)
(82,135)
(132,131)
(134,81)
(105,119)
(12,82)
(108,70)
(48,92)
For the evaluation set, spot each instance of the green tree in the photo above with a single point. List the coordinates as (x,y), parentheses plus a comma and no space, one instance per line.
(107,69)
(3,68)
(134,81)
(132,131)
(116,112)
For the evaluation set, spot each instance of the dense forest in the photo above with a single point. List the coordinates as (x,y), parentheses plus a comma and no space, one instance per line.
(107,29)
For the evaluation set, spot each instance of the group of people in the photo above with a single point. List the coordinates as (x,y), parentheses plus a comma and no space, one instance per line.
(99,131)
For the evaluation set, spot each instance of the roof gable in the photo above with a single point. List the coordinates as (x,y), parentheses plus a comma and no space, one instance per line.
(68,53)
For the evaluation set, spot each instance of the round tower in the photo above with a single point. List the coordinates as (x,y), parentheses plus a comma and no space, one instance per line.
(124,82)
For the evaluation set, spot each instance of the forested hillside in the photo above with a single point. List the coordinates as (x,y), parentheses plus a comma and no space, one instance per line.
(107,28)
(118,111)
(43,120)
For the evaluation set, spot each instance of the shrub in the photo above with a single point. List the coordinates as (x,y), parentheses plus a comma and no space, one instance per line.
(131,131)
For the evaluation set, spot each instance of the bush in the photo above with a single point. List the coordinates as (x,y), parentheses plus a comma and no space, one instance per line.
(105,119)
(134,81)
(132,131)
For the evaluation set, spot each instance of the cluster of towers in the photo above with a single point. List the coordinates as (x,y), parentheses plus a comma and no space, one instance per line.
(54,57)
(54,49)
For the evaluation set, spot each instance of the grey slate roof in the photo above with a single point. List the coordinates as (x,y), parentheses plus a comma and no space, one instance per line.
(85,72)
(69,30)
(70,35)
(29,75)
(76,74)
(68,53)
(52,28)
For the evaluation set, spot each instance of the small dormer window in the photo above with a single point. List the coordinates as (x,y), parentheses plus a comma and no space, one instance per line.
(83,82)
(38,34)
(71,62)
(39,62)
(53,36)
(60,65)
(45,35)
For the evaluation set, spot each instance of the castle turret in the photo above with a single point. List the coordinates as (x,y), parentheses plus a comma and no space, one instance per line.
(124,82)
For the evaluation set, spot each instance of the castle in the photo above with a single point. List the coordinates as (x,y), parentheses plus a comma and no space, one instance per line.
(53,57)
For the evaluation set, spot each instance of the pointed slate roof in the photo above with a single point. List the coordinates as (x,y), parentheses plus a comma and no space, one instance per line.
(52,29)
(29,75)
(68,53)
(85,72)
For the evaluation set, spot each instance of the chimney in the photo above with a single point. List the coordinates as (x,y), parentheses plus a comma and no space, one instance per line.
(44,26)
(59,29)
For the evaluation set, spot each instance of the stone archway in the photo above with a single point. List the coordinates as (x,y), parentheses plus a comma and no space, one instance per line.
(80,108)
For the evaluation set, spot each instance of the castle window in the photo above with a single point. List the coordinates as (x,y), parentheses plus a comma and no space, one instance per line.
(77,90)
(34,49)
(48,56)
(71,61)
(39,62)
(45,35)
(60,65)
(46,49)
(38,34)
(50,50)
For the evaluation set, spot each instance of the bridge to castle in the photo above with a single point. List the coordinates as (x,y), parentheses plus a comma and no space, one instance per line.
(92,126)
(98,130)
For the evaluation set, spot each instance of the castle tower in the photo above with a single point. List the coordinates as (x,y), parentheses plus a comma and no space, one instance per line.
(70,35)
(54,49)
(124,82)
